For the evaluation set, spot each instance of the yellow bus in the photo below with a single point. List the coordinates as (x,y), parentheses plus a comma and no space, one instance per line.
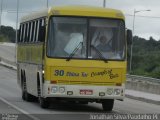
(73,53)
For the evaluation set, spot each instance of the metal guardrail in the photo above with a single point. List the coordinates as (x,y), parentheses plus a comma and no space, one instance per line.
(143,78)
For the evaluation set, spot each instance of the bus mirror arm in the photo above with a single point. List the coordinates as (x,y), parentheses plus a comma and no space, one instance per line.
(129,37)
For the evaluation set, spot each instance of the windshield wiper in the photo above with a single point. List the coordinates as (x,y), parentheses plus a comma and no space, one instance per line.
(99,54)
(74,51)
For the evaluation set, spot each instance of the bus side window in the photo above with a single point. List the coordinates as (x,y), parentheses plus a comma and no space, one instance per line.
(27,33)
(20,33)
(42,31)
(36,26)
(43,22)
(28,37)
(32,33)
(26,29)
(21,39)
(37,30)
(24,32)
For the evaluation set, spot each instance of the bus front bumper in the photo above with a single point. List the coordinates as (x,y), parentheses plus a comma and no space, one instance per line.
(83,91)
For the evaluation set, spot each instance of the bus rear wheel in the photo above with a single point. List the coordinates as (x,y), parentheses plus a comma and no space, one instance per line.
(107,104)
(44,103)
(25,95)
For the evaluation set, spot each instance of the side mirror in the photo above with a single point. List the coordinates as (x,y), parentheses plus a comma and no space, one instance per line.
(129,37)
(42,32)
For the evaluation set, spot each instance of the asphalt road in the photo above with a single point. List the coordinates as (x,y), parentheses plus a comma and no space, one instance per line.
(10,91)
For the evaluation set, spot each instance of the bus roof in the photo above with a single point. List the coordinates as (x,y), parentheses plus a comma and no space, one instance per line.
(87,11)
(34,15)
(76,11)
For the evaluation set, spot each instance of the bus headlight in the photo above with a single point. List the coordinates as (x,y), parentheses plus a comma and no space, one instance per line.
(54,89)
(109,91)
(117,91)
(61,89)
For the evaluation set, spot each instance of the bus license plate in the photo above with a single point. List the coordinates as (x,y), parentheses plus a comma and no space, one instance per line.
(86,92)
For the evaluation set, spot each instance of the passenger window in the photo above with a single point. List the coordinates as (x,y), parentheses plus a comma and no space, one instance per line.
(37,30)
(24,29)
(20,33)
(32,33)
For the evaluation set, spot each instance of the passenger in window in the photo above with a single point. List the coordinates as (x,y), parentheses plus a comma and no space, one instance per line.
(104,44)
(102,41)
(99,32)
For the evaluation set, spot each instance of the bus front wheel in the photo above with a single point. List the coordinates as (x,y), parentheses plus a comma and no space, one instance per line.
(108,104)
(44,103)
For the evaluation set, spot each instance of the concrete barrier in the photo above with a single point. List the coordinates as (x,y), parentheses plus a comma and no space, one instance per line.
(144,86)
(7,61)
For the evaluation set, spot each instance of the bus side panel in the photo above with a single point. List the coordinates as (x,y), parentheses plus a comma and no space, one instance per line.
(30,61)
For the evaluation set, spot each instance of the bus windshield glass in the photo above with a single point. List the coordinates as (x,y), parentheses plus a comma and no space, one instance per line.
(86,38)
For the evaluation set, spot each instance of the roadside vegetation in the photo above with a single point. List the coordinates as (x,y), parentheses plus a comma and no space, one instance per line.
(7,34)
(146,57)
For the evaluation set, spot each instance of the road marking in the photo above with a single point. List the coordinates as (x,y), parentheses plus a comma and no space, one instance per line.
(19,109)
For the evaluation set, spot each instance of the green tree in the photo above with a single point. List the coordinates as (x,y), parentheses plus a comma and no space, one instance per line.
(146,57)
(7,33)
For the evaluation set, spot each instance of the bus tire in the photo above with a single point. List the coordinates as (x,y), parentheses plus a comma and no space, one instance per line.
(108,104)
(44,103)
(25,95)
(22,86)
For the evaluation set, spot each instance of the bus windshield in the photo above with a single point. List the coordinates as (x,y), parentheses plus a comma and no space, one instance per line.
(84,38)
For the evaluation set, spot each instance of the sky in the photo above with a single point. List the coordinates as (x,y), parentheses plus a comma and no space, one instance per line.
(146,24)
